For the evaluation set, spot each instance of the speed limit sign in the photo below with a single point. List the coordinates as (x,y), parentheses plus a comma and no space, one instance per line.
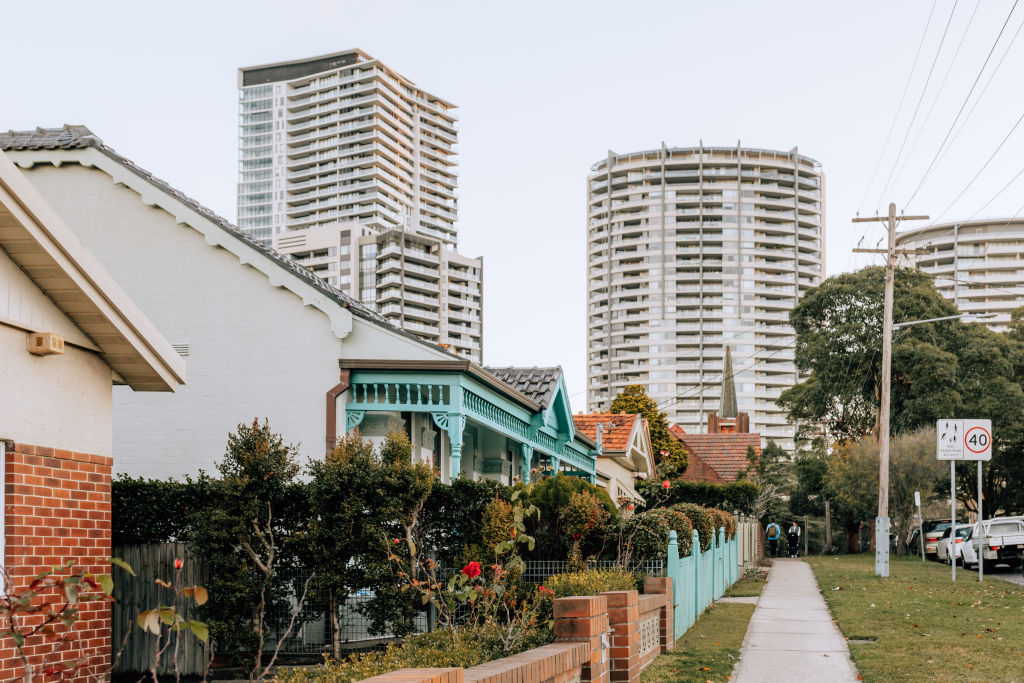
(963,439)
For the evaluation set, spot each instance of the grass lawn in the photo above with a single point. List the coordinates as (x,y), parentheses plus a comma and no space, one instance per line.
(708,651)
(923,626)
(746,588)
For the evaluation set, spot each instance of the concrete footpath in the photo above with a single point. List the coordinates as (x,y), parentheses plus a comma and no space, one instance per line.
(791,636)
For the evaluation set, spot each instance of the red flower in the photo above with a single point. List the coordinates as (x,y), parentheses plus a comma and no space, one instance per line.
(397,541)
(472,570)
(544,590)
(629,507)
(178,563)
(665,484)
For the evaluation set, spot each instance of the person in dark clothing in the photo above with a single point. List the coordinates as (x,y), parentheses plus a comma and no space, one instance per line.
(773,532)
(793,538)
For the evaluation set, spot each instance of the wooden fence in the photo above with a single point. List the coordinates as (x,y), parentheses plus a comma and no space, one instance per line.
(136,594)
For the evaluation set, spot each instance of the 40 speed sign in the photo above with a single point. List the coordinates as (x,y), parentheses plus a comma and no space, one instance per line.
(963,439)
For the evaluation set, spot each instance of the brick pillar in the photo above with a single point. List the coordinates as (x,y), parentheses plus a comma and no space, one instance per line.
(584,619)
(624,620)
(662,585)
(57,508)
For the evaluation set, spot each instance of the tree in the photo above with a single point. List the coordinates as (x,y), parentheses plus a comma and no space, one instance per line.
(338,533)
(838,345)
(669,453)
(851,480)
(772,472)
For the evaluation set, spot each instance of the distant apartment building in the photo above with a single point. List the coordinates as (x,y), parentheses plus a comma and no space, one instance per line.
(413,280)
(691,250)
(978,265)
(340,149)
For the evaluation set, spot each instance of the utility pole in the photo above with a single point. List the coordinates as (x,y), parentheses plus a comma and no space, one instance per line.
(882,521)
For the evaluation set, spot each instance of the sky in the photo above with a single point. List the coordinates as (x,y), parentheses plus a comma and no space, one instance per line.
(545,89)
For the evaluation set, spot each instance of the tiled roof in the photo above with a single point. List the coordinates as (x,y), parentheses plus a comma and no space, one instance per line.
(537,383)
(698,470)
(80,137)
(726,454)
(618,427)
(677,431)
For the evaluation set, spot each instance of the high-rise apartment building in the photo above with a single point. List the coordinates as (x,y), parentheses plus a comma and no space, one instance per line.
(342,149)
(691,250)
(978,265)
(413,280)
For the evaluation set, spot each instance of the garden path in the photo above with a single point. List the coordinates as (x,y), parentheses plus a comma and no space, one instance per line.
(791,636)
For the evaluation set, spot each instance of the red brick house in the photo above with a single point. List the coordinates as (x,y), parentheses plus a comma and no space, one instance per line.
(721,455)
(68,333)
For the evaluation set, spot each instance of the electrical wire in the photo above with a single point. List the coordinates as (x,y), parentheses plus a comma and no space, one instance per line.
(920,100)
(931,164)
(938,93)
(899,109)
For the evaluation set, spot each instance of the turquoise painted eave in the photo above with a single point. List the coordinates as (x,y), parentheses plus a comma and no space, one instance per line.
(450,392)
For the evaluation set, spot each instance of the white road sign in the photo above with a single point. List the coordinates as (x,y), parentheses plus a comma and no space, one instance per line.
(963,439)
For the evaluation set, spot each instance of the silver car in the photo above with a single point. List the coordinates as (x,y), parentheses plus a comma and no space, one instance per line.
(943,549)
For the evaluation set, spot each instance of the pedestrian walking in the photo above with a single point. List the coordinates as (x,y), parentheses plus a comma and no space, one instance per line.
(793,539)
(772,531)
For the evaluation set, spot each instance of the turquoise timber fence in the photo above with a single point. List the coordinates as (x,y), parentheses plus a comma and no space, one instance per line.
(700,578)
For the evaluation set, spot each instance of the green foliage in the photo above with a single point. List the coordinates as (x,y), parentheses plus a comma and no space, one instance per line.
(669,452)
(468,647)
(838,326)
(651,541)
(808,496)
(551,495)
(591,582)
(703,521)
(738,495)
(256,494)
(580,519)
(724,520)
(498,526)
(154,511)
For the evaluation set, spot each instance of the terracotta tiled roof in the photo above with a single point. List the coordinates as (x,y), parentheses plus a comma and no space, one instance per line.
(537,383)
(698,470)
(726,454)
(616,431)
(677,431)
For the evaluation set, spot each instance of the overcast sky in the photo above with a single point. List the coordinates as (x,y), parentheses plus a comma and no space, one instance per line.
(544,90)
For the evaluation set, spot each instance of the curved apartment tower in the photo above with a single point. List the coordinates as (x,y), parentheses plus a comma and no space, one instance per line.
(690,250)
(978,265)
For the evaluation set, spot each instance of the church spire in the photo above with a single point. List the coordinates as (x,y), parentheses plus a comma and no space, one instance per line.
(728,408)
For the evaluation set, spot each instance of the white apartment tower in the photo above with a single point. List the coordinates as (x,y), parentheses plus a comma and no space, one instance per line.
(338,148)
(978,264)
(691,250)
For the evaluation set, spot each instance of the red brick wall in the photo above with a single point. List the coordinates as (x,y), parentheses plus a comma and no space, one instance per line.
(57,509)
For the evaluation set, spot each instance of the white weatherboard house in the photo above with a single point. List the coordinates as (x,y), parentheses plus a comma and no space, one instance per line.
(266,338)
(262,337)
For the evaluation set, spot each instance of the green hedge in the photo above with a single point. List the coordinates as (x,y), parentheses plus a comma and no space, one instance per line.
(738,495)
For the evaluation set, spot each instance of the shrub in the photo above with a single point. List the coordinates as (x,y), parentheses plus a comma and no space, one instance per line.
(581,518)
(591,582)
(551,496)
(672,520)
(724,519)
(702,521)
(735,495)
(467,647)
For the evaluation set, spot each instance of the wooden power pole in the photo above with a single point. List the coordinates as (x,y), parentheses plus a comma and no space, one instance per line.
(882,521)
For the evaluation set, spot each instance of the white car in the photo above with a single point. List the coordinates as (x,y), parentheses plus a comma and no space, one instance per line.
(1004,542)
(943,548)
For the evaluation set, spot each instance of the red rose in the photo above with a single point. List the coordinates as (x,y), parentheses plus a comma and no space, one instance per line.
(629,507)
(472,570)
(665,484)
(178,564)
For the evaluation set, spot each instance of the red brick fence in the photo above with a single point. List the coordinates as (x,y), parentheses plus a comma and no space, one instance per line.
(606,638)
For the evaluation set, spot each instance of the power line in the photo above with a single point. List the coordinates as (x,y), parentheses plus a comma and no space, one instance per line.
(931,164)
(920,99)
(899,108)
(938,93)
(981,95)
(983,166)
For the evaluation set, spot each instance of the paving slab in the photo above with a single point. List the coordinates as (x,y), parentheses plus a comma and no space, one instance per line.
(791,636)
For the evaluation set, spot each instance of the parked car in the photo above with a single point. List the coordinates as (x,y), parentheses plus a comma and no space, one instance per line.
(945,541)
(1003,544)
(933,529)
